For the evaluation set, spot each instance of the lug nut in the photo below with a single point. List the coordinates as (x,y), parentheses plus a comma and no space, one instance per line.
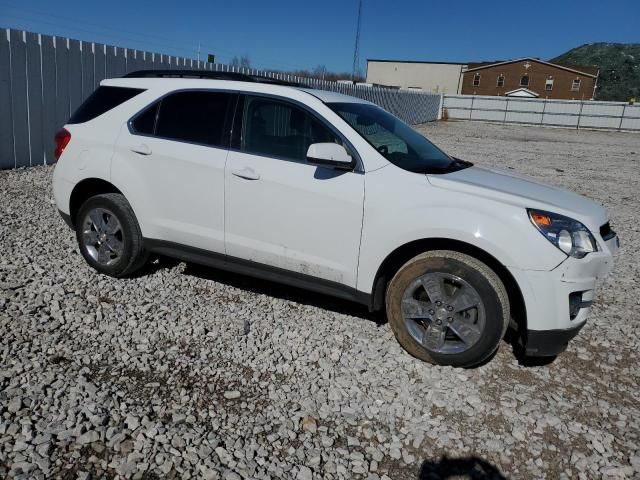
(450,319)
(432,312)
(450,308)
(438,303)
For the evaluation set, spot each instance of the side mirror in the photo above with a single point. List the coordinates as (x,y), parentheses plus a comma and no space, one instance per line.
(330,155)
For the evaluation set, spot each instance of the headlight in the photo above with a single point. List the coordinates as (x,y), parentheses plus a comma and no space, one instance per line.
(569,235)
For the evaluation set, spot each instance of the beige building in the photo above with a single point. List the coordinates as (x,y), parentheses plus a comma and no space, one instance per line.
(437,77)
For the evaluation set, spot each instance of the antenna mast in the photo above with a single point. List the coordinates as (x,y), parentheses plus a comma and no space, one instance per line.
(356,49)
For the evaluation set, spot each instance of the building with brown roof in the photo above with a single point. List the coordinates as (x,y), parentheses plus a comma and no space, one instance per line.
(530,77)
(524,77)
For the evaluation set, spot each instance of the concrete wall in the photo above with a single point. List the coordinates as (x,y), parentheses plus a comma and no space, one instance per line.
(537,111)
(430,77)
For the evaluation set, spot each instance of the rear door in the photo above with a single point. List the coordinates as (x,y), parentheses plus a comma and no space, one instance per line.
(282,211)
(172,158)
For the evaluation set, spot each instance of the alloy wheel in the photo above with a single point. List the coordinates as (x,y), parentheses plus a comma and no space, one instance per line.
(443,313)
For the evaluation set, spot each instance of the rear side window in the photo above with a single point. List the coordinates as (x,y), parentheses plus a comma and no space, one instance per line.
(192,116)
(101,101)
(145,123)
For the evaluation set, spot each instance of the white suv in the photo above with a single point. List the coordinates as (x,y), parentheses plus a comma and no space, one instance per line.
(329,193)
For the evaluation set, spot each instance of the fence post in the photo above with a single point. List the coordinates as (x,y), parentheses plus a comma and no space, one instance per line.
(580,114)
(471,110)
(544,109)
(624,110)
(506,109)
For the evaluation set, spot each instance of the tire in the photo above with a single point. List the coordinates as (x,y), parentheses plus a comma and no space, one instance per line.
(449,333)
(118,253)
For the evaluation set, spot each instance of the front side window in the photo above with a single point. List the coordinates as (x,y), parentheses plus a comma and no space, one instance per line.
(280,129)
(548,85)
(524,81)
(476,80)
(575,85)
(395,140)
(190,116)
(500,81)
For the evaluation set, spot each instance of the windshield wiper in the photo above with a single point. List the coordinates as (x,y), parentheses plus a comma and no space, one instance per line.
(457,164)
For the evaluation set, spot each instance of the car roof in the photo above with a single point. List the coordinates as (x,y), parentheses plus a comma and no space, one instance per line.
(333,97)
(324,96)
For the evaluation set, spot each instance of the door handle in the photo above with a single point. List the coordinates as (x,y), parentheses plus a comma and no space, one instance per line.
(246,173)
(142,149)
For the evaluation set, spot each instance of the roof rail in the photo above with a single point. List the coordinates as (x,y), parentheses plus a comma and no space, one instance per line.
(210,75)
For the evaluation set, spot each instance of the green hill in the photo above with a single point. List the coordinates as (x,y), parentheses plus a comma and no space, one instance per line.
(619,65)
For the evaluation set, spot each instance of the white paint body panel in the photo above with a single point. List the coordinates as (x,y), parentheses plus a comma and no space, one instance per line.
(176,191)
(294,216)
(337,226)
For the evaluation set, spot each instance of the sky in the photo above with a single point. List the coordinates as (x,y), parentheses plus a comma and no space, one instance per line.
(303,34)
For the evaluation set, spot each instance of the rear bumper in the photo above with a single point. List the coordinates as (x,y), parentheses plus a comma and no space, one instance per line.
(547,343)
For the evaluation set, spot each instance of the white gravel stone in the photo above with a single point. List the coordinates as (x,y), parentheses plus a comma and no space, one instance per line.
(188,372)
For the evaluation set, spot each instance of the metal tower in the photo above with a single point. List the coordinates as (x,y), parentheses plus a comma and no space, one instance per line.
(356,48)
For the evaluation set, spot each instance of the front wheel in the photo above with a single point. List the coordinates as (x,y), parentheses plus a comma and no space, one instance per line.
(447,308)
(109,236)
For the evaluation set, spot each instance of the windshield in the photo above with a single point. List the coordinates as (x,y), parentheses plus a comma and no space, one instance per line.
(395,140)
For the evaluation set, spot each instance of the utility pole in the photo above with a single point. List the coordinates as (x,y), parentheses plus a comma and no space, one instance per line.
(356,49)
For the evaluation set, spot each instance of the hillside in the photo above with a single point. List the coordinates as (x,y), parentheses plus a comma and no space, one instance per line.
(619,65)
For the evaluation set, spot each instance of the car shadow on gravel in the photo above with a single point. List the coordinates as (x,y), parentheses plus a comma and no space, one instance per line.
(467,468)
(285,292)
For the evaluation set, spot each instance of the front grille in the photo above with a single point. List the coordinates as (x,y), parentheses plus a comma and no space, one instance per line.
(606,233)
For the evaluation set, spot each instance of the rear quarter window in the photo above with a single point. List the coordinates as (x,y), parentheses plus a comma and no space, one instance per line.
(101,101)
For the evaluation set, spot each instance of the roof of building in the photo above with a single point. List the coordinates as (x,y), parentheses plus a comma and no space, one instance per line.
(413,61)
(522,92)
(583,70)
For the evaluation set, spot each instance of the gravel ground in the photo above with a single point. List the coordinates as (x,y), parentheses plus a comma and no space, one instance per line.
(187,372)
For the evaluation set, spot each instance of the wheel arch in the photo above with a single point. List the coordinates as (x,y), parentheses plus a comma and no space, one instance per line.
(394,261)
(86,189)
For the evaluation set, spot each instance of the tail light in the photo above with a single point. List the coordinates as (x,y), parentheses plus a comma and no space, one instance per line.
(62,138)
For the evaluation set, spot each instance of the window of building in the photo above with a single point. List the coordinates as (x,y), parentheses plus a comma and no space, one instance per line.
(476,80)
(575,85)
(524,80)
(500,81)
(280,129)
(196,116)
(548,85)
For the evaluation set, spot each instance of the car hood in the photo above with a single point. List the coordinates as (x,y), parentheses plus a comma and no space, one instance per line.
(520,190)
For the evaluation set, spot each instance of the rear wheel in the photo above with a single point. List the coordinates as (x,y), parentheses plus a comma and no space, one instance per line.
(448,308)
(109,236)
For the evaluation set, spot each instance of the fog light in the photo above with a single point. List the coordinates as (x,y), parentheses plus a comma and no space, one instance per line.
(576,303)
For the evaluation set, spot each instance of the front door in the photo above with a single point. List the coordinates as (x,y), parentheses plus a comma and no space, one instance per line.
(280,210)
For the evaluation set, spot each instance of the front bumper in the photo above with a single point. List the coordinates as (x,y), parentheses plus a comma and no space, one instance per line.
(548,343)
(551,323)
